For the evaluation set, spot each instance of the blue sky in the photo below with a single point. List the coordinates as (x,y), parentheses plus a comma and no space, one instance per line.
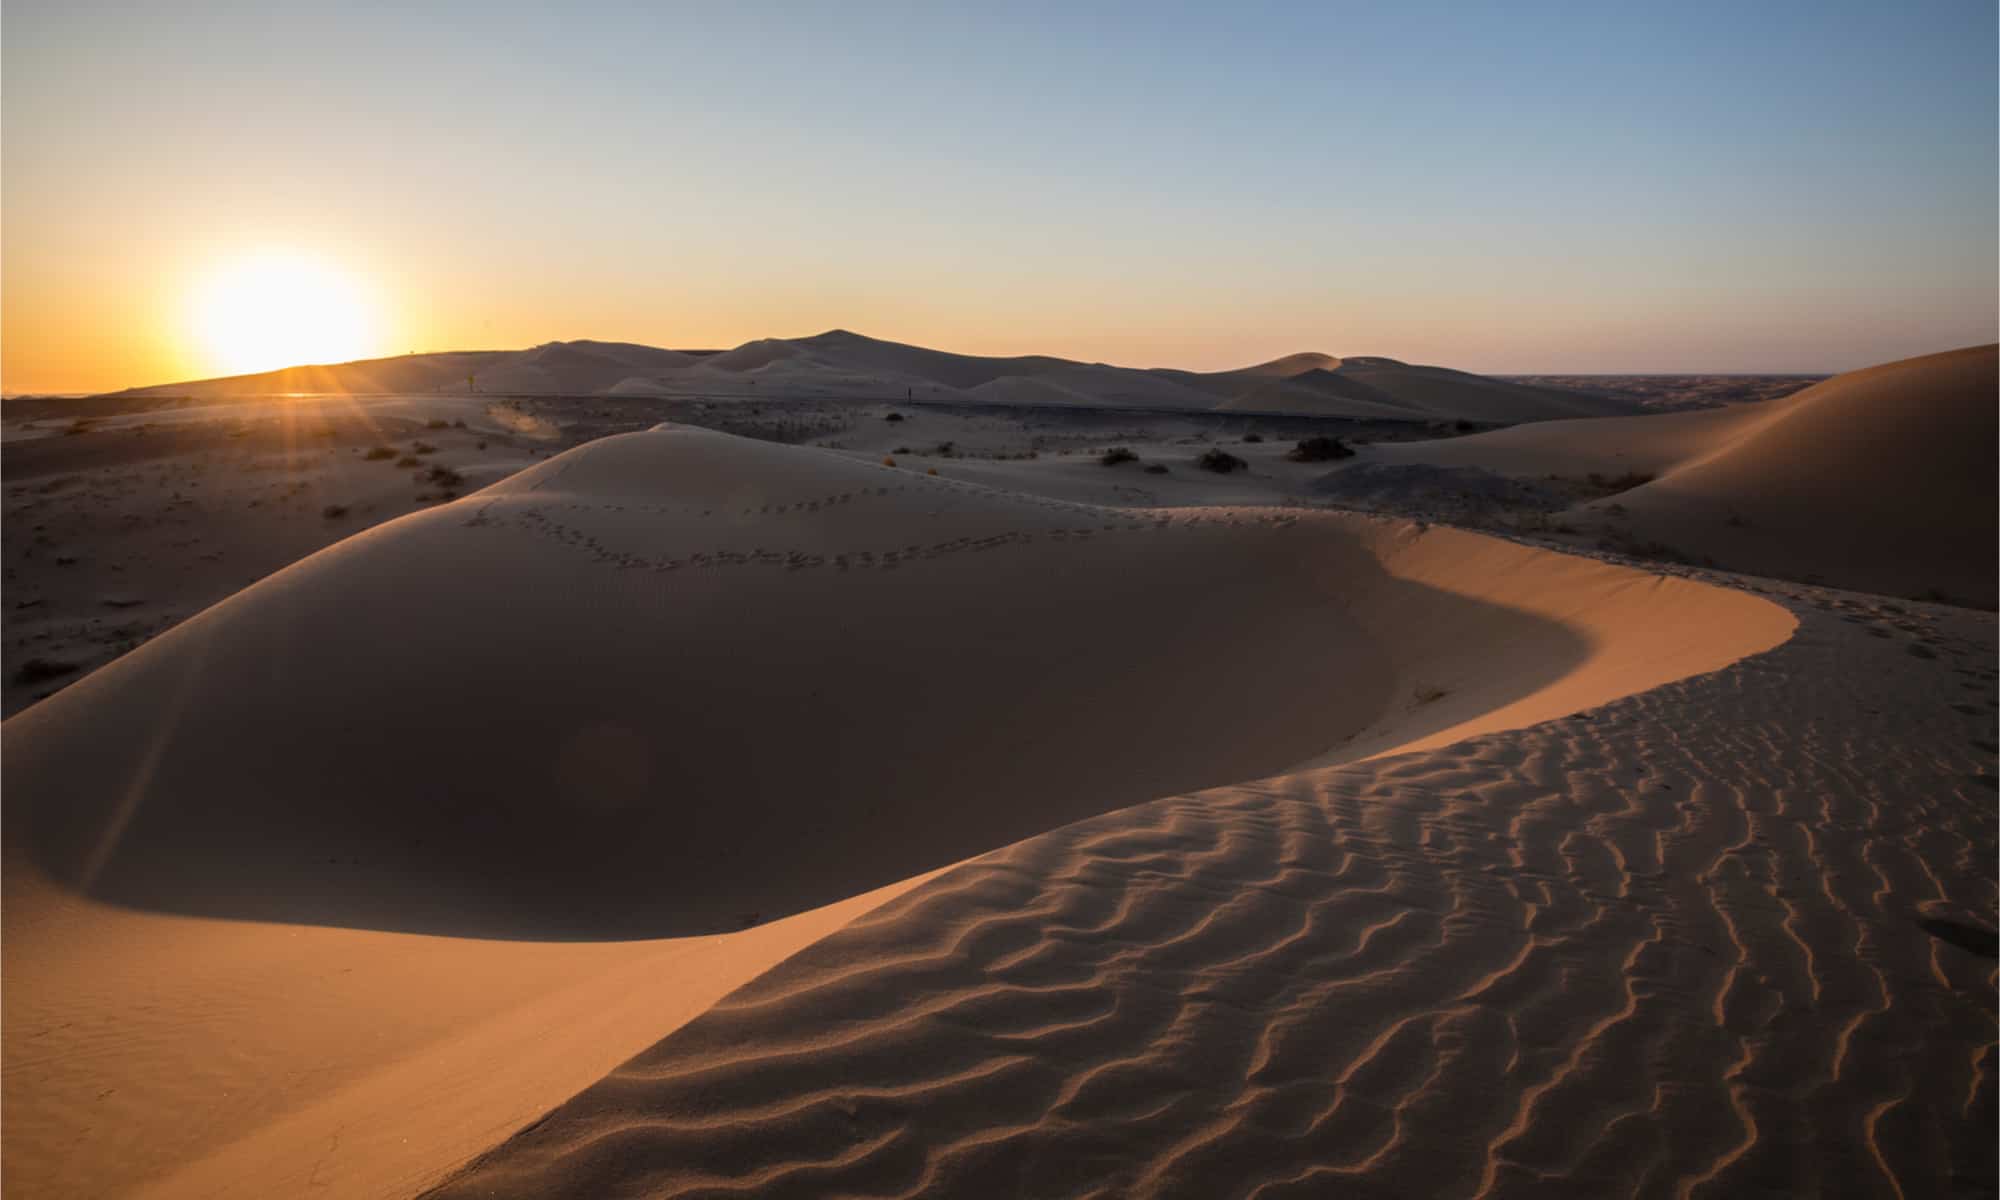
(1521,187)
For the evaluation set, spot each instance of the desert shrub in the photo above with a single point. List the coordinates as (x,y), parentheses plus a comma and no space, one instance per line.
(458,424)
(409,460)
(945,449)
(1427,694)
(1116,455)
(1253,437)
(893,417)
(424,448)
(1220,461)
(41,670)
(333,512)
(1619,483)
(902,450)
(443,476)
(437,423)
(1319,449)
(379,453)
(1156,468)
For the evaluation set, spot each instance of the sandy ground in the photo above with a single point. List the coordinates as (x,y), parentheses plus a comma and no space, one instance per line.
(1732,936)
(1670,393)
(1557,871)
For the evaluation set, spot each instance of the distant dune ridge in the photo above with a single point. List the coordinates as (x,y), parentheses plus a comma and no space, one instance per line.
(840,363)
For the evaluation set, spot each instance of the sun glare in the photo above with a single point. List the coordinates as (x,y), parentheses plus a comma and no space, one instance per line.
(281,309)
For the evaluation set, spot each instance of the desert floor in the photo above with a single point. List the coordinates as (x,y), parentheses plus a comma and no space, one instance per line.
(1414,823)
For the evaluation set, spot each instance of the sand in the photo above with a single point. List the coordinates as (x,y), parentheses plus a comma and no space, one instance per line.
(1881,480)
(946,832)
(1674,946)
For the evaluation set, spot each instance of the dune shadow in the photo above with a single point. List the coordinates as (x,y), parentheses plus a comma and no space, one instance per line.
(425,738)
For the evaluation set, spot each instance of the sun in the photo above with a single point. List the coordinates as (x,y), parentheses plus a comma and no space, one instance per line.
(281,308)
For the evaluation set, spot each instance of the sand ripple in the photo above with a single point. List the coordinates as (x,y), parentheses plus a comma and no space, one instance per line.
(1693,943)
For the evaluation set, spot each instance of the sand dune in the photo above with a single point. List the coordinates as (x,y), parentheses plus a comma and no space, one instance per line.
(1670,948)
(1881,480)
(670,684)
(711,551)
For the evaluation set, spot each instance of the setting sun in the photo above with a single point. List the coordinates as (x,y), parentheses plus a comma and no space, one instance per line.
(280,309)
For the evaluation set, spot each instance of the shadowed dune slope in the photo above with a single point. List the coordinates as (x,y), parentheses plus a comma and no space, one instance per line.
(671,683)
(1882,480)
(672,679)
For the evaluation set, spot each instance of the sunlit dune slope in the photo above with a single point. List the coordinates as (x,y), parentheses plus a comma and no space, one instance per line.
(1610,446)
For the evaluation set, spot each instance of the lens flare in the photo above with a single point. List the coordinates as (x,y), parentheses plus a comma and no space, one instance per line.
(281,308)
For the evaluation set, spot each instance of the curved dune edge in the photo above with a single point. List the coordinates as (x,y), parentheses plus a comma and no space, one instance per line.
(1720,938)
(358,1062)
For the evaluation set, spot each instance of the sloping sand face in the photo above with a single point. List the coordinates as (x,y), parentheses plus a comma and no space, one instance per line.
(1882,480)
(665,686)
(1718,939)
(579,704)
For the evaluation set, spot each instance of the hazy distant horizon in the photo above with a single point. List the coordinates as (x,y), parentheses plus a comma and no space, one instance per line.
(11,393)
(1536,189)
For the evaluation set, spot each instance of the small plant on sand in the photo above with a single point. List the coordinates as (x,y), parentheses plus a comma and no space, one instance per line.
(333,512)
(409,460)
(1253,437)
(443,476)
(437,423)
(888,460)
(1116,455)
(41,670)
(1427,694)
(1220,461)
(893,417)
(1319,449)
(379,453)
(1618,483)
(1156,468)
(932,471)
(424,448)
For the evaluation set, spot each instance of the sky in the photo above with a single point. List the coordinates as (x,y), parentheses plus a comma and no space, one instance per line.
(1511,188)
